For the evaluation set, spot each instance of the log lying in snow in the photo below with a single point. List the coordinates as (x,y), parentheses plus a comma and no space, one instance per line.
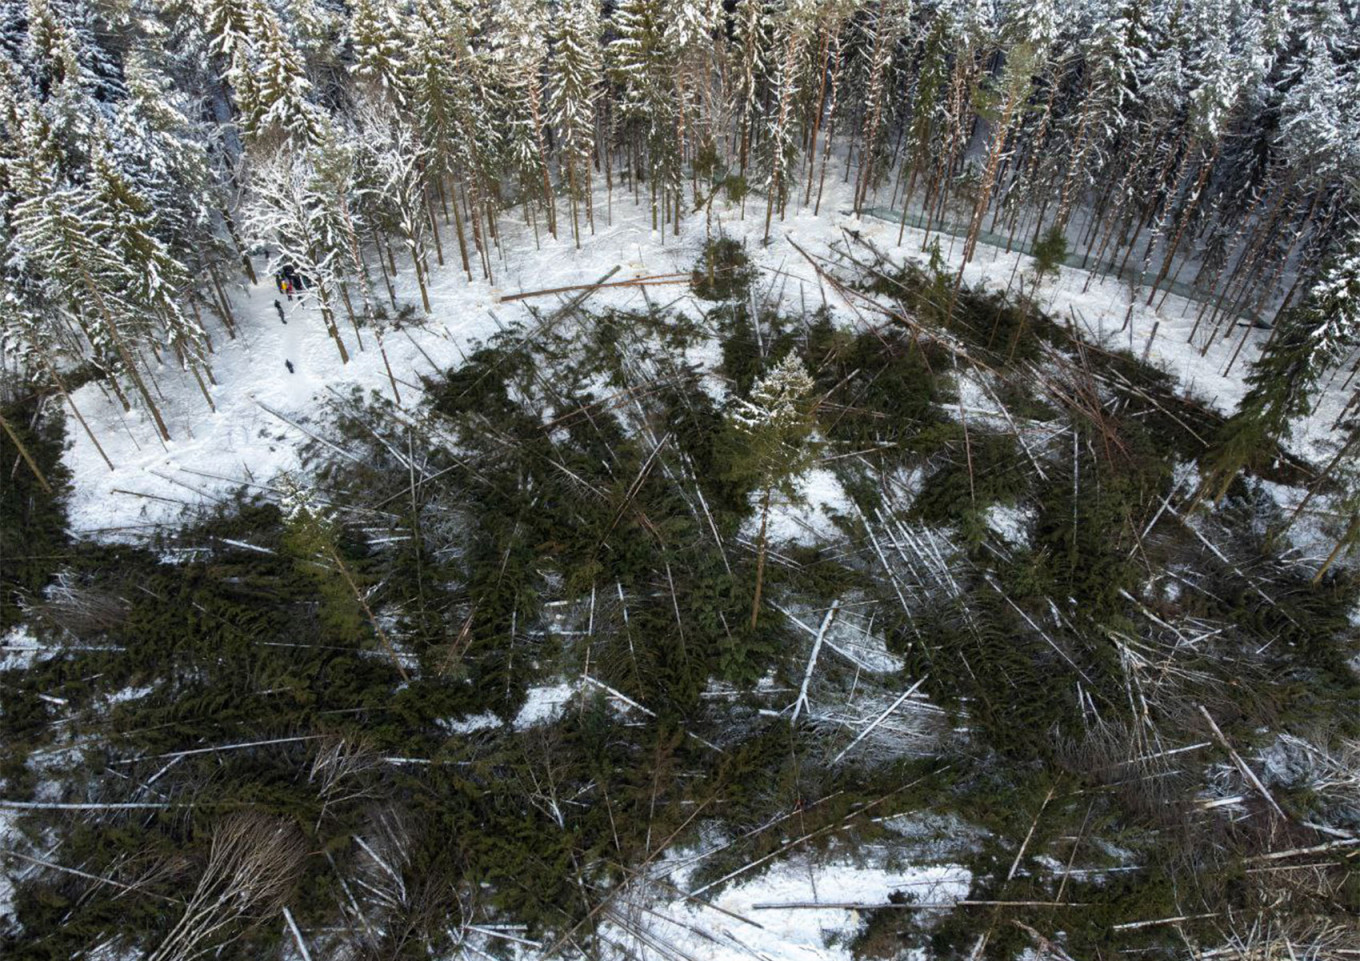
(1247,773)
(910,906)
(655,279)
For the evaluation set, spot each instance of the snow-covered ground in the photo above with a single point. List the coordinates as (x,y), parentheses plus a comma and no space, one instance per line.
(768,916)
(264,412)
(809,517)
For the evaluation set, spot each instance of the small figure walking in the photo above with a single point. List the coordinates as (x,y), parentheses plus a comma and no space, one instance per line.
(289,365)
(288,289)
(279,307)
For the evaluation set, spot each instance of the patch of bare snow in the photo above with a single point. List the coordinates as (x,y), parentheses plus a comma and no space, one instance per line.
(778,931)
(975,399)
(706,356)
(543,704)
(1011,524)
(808,518)
(19,648)
(129,694)
(7,831)
(1313,533)
(935,834)
(470,724)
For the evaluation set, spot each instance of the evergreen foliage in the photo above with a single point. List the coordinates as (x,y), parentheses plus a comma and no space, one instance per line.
(343,703)
(32,523)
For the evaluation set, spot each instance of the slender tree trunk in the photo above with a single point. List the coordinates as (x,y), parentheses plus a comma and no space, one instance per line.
(236,242)
(349,311)
(52,372)
(761,545)
(420,281)
(1341,544)
(23,452)
(549,199)
(879,63)
(382,265)
(1196,193)
(999,138)
(823,59)
(462,240)
(434,226)
(830,125)
(228,320)
(1078,159)
(123,352)
(328,315)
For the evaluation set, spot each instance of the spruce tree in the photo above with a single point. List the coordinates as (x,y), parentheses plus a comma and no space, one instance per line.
(156,279)
(521,51)
(281,107)
(776,423)
(751,49)
(575,77)
(379,46)
(793,28)
(642,63)
(73,236)
(1310,339)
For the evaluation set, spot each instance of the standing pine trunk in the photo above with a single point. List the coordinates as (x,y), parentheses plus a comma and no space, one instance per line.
(1185,218)
(1016,85)
(836,61)
(878,66)
(1077,162)
(780,134)
(549,201)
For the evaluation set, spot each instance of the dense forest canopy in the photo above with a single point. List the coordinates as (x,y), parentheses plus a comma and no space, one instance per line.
(150,148)
(909,620)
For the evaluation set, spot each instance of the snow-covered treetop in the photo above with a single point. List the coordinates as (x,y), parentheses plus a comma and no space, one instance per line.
(377,38)
(693,22)
(777,422)
(975,20)
(521,37)
(779,399)
(1313,131)
(1220,74)
(298,503)
(1034,22)
(1333,307)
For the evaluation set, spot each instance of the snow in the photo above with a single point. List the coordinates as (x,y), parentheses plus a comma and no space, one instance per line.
(543,704)
(7,830)
(809,518)
(935,833)
(129,694)
(472,723)
(1010,523)
(759,929)
(19,648)
(264,412)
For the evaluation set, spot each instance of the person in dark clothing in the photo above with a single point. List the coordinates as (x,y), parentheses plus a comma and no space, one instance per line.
(279,307)
(289,365)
